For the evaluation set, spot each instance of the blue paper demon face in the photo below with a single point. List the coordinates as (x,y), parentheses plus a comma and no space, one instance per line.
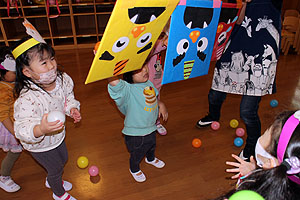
(191,39)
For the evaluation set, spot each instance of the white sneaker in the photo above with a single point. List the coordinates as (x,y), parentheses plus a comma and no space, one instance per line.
(66,196)
(67,185)
(156,163)
(138,176)
(7,184)
(161,129)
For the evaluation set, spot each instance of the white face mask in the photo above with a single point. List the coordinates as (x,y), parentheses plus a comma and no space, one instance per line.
(262,152)
(47,77)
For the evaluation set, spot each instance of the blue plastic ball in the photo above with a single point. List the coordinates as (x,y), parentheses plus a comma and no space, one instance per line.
(238,142)
(273,103)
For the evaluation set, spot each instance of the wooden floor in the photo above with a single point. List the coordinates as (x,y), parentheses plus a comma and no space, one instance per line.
(189,173)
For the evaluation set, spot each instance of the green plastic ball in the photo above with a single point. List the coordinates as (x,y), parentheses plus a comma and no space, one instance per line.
(246,195)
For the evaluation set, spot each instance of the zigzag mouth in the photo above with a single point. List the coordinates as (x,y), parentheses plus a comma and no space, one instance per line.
(143,15)
(195,17)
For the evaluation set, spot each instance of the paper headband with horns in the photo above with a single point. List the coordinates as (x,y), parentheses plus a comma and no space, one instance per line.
(36,39)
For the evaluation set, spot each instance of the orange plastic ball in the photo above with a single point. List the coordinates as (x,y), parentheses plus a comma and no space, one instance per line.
(196,143)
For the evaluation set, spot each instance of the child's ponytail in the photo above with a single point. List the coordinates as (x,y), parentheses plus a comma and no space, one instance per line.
(272,184)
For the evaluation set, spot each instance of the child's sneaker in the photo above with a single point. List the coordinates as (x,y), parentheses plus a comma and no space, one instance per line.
(66,196)
(7,184)
(138,176)
(156,163)
(161,129)
(67,185)
(205,121)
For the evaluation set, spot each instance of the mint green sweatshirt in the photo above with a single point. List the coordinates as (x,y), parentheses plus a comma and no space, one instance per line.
(138,102)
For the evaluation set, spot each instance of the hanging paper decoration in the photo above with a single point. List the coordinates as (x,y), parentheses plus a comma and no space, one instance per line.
(131,32)
(191,39)
(228,17)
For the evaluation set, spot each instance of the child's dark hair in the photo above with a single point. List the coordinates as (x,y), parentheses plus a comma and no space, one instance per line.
(274,183)
(22,81)
(3,52)
(128,75)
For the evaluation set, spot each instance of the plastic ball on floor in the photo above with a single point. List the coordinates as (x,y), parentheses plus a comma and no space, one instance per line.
(246,195)
(196,143)
(273,103)
(234,123)
(82,162)
(93,170)
(238,142)
(215,126)
(56,115)
(240,132)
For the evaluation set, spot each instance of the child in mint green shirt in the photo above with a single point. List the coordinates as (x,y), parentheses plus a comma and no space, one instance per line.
(136,98)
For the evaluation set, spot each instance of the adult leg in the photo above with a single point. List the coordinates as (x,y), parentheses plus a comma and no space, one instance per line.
(249,114)
(53,161)
(215,100)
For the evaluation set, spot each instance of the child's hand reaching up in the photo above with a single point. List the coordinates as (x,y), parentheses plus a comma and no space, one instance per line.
(75,114)
(47,127)
(162,111)
(243,167)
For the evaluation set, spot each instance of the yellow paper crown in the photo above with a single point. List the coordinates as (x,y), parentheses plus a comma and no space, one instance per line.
(24,47)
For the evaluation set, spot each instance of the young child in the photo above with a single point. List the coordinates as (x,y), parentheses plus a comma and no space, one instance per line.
(42,88)
(155,66)
(7,139)
(278,153)
(136,98)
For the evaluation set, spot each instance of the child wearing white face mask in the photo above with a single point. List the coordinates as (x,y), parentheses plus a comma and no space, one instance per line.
(42,88)
(278,160)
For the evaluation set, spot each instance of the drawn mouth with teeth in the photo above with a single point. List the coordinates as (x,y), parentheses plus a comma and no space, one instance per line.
(143,15)
(228,15)
(195,17)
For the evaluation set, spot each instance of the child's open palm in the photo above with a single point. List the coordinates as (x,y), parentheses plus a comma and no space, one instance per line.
(242,167)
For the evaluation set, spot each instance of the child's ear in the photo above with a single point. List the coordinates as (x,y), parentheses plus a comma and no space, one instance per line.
(26,72)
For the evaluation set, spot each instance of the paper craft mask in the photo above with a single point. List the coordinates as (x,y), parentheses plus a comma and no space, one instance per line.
(228,17)
(192,34)
(131,32)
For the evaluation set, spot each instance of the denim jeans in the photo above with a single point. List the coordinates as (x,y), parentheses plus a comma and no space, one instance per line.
(248,113)
(139,147)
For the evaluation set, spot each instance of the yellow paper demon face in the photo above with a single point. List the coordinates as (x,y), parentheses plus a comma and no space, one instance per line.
(131,33)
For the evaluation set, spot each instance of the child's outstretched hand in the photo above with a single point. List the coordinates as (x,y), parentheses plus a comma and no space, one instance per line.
(47,127)
(243,167)
(75,114)
(162,111)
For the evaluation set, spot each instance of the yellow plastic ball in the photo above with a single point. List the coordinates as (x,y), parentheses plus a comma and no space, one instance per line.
(82,162)
(234,123)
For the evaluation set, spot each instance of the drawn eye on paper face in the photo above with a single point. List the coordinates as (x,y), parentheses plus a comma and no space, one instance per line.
(202,44)
(143,40)
(120,44)
(181,49)
(182,46)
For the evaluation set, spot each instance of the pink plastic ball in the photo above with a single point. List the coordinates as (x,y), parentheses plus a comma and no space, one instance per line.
(240,132)
(93,170)
(215,126)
